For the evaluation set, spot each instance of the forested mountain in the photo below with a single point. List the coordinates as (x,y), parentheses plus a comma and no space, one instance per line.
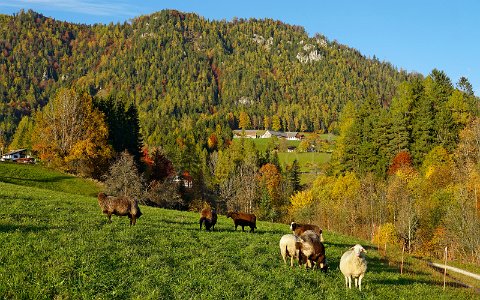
(188,74)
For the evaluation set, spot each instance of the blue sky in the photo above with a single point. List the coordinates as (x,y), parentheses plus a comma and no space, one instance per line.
(413,35)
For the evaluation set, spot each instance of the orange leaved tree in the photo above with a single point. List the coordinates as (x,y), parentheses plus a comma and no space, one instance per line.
(70,134)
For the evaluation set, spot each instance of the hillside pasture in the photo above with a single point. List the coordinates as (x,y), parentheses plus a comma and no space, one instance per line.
(311,163)
(59,245)
(38,176)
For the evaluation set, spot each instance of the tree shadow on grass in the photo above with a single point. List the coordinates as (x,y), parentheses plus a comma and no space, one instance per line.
(196,227)
(21,228)
(273,231)
(17,217)
(410,281)
(339,245)
(374,265)
(11,179)
(378,265)
(179,222)
(346,246)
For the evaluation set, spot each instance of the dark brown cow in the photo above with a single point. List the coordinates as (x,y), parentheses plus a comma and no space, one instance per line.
(243,219)
(119,206)
(209,217)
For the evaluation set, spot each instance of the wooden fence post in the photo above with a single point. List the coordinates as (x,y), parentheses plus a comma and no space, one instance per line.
(403,252)
(445,268)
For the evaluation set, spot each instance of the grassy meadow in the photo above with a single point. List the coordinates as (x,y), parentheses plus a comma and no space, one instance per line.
(55,243)
(38,176)
(311,163)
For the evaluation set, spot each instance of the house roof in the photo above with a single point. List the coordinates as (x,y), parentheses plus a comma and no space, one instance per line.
(15,151)
(283,134)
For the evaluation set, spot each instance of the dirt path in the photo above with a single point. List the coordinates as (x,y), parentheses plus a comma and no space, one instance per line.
(441,268)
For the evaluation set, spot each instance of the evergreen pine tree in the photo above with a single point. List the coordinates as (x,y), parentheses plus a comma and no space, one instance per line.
(345,157)
(368,120)
(293,172)
(422,124)
(401,119)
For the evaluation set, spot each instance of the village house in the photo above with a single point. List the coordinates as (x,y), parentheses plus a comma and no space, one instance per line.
(185,178)
(256,134)
(15,155)
(289,135)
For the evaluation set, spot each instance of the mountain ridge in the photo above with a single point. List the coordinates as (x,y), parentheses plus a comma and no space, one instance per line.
(180,67)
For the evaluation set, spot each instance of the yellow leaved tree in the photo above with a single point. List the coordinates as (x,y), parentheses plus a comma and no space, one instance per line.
(70,134)
(301,206)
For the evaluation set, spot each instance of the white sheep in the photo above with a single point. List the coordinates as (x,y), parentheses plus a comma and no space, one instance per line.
(288,247)
(353,264)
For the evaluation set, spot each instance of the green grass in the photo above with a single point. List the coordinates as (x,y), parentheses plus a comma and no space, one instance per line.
(59,245)
(38,176)
(311,163)
(308,161)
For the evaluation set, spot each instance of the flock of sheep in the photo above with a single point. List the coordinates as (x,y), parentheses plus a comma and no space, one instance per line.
(305,243)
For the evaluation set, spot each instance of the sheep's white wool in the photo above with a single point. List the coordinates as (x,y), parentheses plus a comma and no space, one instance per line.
(353,264)
(288,247)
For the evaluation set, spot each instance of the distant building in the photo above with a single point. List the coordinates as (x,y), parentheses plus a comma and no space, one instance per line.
(289,135)
(251,134)
(185,178)
(15,155)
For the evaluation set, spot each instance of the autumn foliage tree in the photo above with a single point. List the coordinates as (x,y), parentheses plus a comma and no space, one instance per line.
(212,142)
(270,203)
(161,190)
(71,134)
(302,206)
(244,121)
(158,166)
(402,160)
(23,135)
(385,234)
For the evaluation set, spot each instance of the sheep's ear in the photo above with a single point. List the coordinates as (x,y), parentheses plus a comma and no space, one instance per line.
(364,251)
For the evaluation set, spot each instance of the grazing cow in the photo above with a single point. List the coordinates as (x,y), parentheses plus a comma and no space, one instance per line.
(298,229)
(209,217)
(120,206)
(243,219)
